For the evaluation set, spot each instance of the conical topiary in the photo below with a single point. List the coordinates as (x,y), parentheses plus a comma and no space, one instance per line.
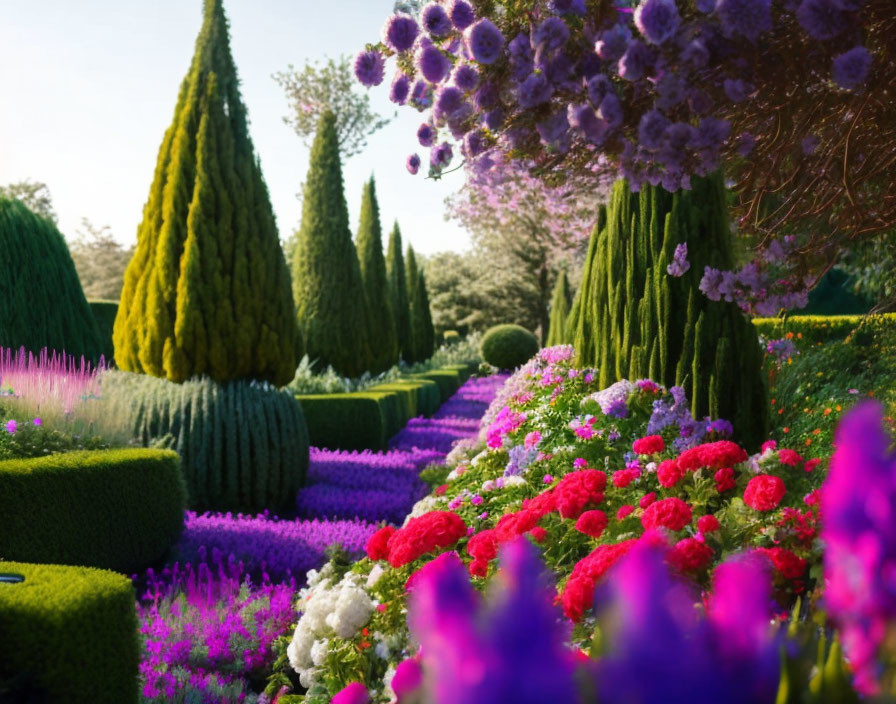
(41,301)
(398,291)
(412,276)
(207,291)
(330,299)
(422,310)
(635,320)
(560,302)
(380,320)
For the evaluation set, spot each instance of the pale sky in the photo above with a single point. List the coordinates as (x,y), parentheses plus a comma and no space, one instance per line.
(89,87)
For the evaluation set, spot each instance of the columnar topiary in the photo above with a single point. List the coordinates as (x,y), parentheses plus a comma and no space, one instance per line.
(207,291)
(380,319)
(41,301)
(330,299)
(244,445)
(560,302)
(422,310)
(398,290)
(418,351)
(636,320)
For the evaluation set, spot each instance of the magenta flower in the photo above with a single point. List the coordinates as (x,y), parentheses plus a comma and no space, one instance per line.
(11,426)
(355,693)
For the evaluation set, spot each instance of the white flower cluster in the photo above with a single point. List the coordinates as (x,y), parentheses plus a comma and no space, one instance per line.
(328,610)
(424,505)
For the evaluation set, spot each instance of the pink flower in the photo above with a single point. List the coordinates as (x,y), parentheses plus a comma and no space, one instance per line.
(38,422)
(548,479)
(11,426)
(580,463)
(624,511)
(532,440)
(355,693)
(649,445)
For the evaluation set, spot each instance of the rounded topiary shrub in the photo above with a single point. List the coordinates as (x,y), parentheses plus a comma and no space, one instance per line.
(244,445)
(508,346)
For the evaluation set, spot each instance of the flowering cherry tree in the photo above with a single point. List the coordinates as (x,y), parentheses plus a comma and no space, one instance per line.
(790,96)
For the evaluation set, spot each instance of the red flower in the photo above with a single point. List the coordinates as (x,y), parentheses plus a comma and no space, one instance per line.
(624,511)
(708,524)
(624,477)
(423,534)
(377,545)
(725,480)
(479,568)
(689,555)
(649,445)
(789,457)
(671,513)
(764,492)
(669,473)
(440,491)
(647,499)
(483,545)
(578,594)
(579,489)
(714,455)
(592,523)
(788,564)
(542,504)
(513,525)
(811,464)
(539,534)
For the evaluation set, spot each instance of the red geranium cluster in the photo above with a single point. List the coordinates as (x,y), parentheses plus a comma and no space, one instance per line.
(592,523)
(764,492)
(789,565)
(671,513)
(669,473)
(689,555)
(423,534)
(791,458)
(624,477)
(577,490)
(578,595)
(714,455)
(724,479)
(650,445)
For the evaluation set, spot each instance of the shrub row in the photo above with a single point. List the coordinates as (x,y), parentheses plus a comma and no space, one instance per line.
(367,419)
(820,328)
(113,509)
(69,635)
(244,446)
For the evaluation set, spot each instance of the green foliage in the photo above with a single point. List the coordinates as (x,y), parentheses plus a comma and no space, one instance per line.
(835,295)
(398,293)
(34,194)
(508,346)
(380,319)
(329,293)
(244,446)
(42,304)
(330,87)
(72,631)
(448,379)
(113,509)
(104,313)
(421,397)
(451,337)
(32,440)
(634,320)
(560,302)
(820,328)
(354,421)
(422,331)
(207,291)
(100,260)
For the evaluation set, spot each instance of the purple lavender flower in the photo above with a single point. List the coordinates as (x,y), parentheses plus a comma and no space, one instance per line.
(413,164)
(369,68)
(680,263)
(597,88)
(670,91)
(400,32)
(706,6)
(610,110)
(657,20)
(550,35)
(822,19)
(441,155)
(613,43)
(449,100)
(851,68)
(711,283)
(465,77)
(748,18)
(494,119)
(400,89)
(695,54)
(421,95)
(736,89)
(433,64)
(745,144)
(809,145)
(519,51)
(534,91)
(554,131)
(635,61)
(584,119)
(486,98)
(485,41)
(426,135)
(568,7)
(462,15)
(651,128)
(475,143)
(436,21)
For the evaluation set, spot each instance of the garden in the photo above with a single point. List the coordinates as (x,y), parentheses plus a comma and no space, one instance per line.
(636,444)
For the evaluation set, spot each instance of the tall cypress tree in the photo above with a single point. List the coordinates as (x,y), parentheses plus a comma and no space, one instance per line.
(398,290)
(427,330)
(634,320)
(380,319)
(207,291)
(412,275)
(41,301)
(330,298)
(560,302)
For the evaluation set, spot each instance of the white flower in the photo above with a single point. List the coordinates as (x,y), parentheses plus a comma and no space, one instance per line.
(375,575)
(424,505)
(382,650)
(319,652)
(352,610)
(452,475)
(515,480)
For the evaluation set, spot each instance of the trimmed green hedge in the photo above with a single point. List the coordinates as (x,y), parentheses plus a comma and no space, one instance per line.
(104,313)
(113,509)
(508,346)
(70,633)
(353,421)
(422,395)
(449,380)
(820,328)
(244,445)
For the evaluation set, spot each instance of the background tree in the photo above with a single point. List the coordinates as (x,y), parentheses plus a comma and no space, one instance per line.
(207,291)
(398,292)
(329,86)
(329,293)
(560,303)
(100,260)
(381,321)
(33,194)
(422,310)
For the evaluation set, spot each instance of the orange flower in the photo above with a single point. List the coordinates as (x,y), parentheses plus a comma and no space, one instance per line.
(789,336)
(808,442)
(786,430)
(827,411)
(816,431)
(773,402)
(799,336)
(838,408)
(780,411)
